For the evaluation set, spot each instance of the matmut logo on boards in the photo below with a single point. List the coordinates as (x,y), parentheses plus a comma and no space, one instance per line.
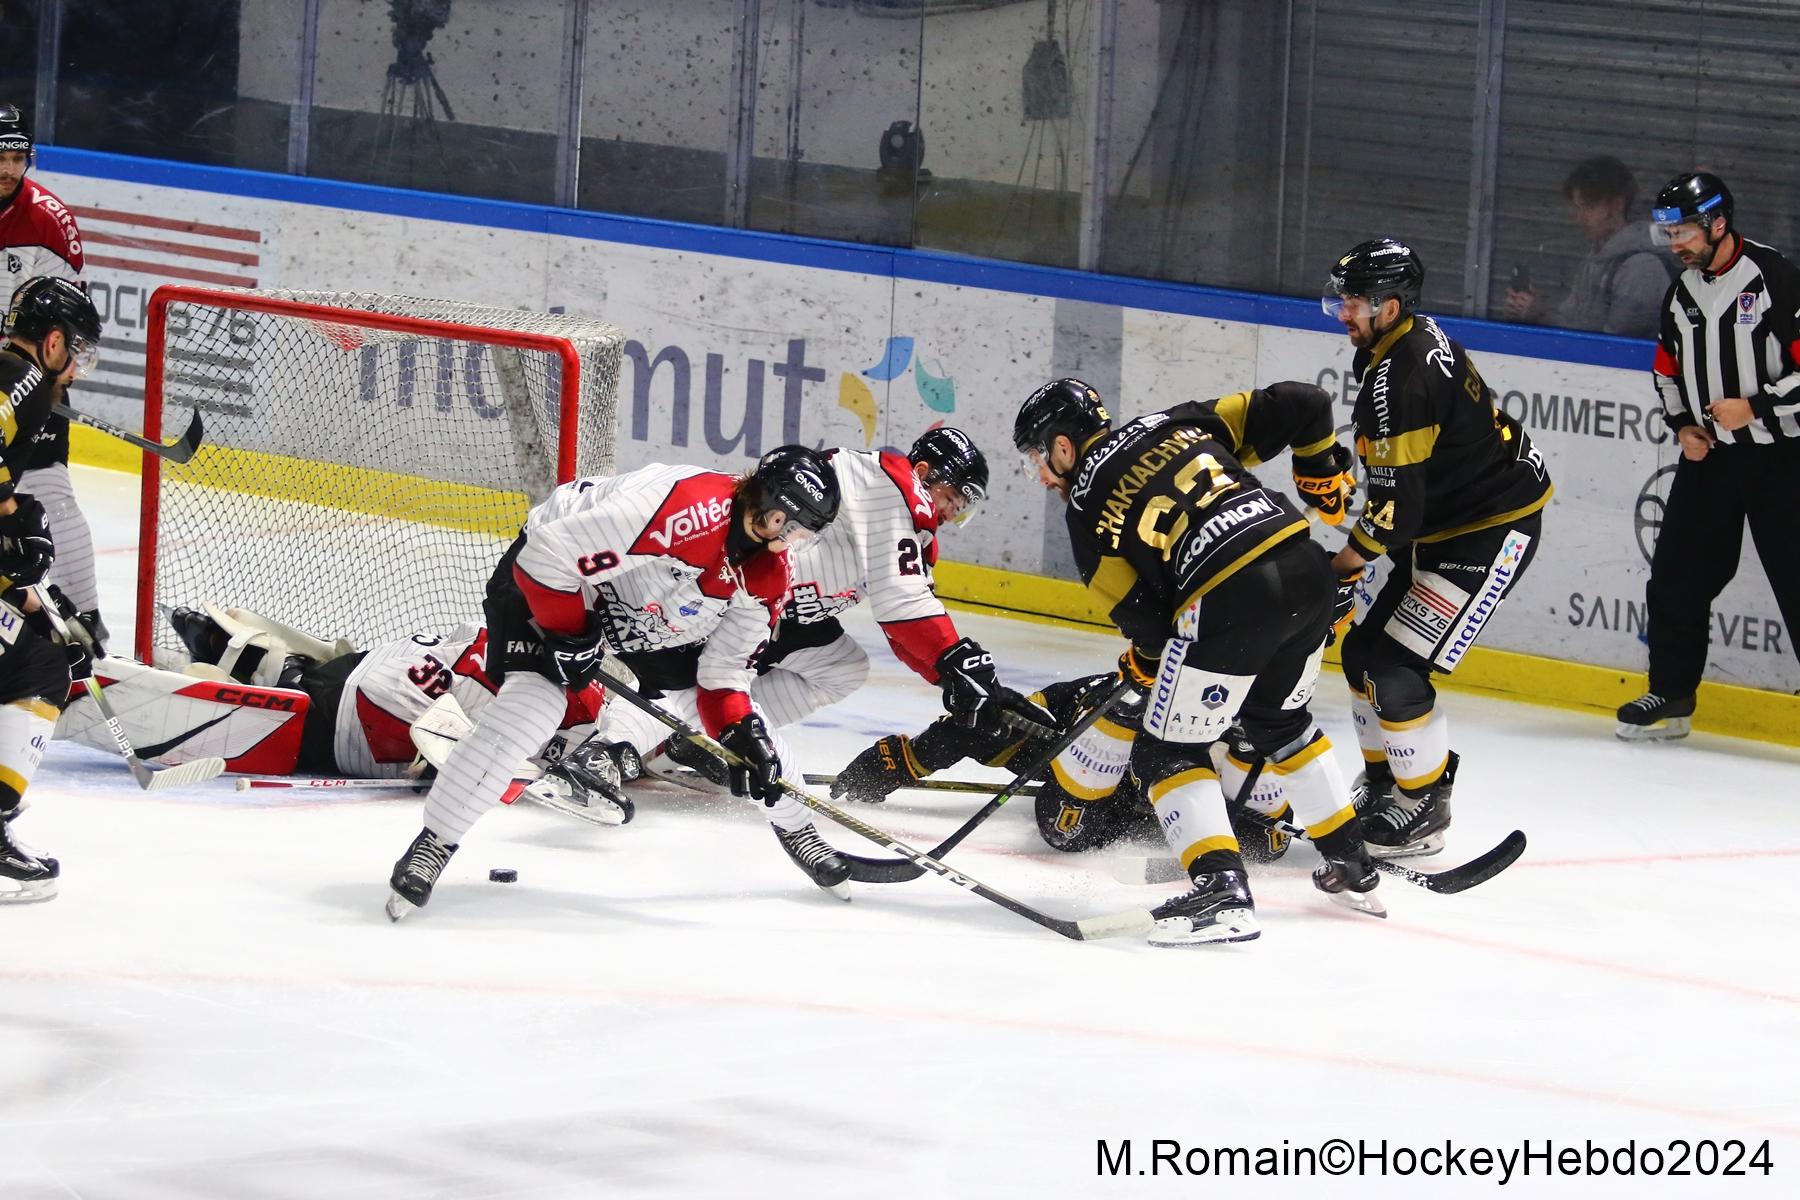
(131,254)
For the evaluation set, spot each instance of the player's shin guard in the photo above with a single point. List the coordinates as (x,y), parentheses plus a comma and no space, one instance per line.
(1268,797)
(25,875)
(1374,788)
(513,727)
(1191,810)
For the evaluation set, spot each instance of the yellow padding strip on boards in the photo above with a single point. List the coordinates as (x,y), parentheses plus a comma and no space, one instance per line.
(353,489)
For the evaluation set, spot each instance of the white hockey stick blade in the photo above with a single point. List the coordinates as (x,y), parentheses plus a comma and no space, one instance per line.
(1135,922)
(198,771)
(1147,870)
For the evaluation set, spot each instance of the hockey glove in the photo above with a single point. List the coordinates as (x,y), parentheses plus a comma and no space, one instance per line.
(1325,482)
(879,771)
(81,647)
(966,673)
(1018,714)
(26,550)
(1343,606)
(759,772)
(574,659)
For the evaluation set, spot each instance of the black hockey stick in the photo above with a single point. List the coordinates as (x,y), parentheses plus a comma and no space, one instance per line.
(1131,922)
(875,871)
(178,451)
(1479,869)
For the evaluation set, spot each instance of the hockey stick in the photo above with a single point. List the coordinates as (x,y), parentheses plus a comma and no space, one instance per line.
(902,872)
(251,782)
(1131,922)
(961,786)
(149,778)
(178,451)
(1448,882)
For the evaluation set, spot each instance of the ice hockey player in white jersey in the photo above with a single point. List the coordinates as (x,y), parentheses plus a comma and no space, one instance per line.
(628,564)
(881,548)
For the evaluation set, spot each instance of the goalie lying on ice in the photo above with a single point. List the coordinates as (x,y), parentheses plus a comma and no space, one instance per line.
(272,700)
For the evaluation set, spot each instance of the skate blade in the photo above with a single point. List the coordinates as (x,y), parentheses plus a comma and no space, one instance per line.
(398,906)
(1230,925)
(1360,902)
(1662,731)
(607,813)
(840,891)
(1426,846)
(29,893)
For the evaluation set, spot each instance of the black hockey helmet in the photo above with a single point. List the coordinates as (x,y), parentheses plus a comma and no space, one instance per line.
(43,303)
(1695,198)
(1066,406)
(955,462)
(14,137)
(799,481)
(1375,270)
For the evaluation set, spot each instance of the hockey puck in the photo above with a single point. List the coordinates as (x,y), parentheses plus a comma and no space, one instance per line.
(503,875)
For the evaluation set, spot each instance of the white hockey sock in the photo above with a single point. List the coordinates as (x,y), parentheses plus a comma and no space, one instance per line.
(73,570)
(513,728)
(1191,810)
(1315,786)
(786,812)
(1418,750)
(1268,796)
(25,727)
(1368,728)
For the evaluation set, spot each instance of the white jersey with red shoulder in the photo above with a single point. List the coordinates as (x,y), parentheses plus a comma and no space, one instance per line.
(395,683)
(645,552)
(881,547)
(38,236)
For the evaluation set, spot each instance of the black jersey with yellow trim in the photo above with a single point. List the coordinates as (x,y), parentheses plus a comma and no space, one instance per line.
(1437,454)
(1160,512)
(26,395)
(1259,424)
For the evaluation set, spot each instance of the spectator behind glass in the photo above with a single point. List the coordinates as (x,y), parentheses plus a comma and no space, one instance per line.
(1619,286)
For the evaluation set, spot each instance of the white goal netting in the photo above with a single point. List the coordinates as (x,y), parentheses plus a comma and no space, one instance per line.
(357,478)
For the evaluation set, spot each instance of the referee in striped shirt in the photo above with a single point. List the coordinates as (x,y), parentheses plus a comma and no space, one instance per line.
(1728,373)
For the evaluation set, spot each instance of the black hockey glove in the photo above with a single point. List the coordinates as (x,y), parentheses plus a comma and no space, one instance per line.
(966,673)
(574,659)
(26,550)
(81,647)
(1325,482)
(879,771)
(759,773)
(1019,714)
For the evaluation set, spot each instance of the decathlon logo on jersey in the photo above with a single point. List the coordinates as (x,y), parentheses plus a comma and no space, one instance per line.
(697,518)
(1500,577)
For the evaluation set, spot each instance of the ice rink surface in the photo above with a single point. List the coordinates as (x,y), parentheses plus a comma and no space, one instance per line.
(216,1007)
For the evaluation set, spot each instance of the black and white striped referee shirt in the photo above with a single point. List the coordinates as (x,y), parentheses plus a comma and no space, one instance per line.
(1734,333)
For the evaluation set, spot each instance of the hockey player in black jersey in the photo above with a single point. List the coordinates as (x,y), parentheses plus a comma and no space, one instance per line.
(1226,602)
(1455,491)
(53,334)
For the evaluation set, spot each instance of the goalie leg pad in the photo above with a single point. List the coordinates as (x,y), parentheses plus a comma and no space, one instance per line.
(174,718)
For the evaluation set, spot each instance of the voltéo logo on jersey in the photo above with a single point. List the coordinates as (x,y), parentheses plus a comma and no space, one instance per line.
(698,518)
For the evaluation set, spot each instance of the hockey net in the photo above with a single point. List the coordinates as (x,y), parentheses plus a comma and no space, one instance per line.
(367,458)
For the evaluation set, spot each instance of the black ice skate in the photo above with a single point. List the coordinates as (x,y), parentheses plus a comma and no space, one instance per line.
(1412,826)
(1654,718)
(1373,789)
(1346,873)
(587,784)
(204,639)
(1218,909)
(416,873)
(680,761)
(814,855)
(25,875)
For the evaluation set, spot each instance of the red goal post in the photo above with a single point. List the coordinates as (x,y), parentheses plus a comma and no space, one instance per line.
(367,458)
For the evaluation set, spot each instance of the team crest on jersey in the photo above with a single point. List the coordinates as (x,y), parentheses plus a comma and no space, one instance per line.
(13,264)
(1746,308)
